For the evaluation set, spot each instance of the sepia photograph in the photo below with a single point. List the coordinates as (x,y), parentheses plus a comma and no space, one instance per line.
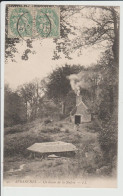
(61,78)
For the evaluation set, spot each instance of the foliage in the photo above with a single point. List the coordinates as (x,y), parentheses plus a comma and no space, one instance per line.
(70,102)
(59,86)
(108,137)
(31,93)
(14,109)
(103,30)
(47,108)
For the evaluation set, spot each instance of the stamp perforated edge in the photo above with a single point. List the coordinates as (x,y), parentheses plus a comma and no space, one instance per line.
(32,9)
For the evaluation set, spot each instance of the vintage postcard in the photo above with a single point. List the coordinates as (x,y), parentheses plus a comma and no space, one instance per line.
(61,78)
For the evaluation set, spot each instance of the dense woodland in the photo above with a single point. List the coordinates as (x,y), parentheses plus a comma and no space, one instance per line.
(53,97)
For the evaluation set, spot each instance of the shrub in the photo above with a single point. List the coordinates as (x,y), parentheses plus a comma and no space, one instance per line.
(18,145)
(51,130)
(67,131)
(47,121)
(108,141)
(56,129)
(60,125)
(61,116)
(15,129)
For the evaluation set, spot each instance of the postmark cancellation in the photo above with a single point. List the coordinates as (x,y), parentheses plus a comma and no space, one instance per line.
(33,22)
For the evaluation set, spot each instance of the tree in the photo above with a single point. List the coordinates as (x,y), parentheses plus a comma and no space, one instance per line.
(31,94)
(104,27)
(70,102)
(102,31)
(14,109)
(59,86)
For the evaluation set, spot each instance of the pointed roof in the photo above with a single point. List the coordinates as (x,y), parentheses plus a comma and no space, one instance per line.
(81,104)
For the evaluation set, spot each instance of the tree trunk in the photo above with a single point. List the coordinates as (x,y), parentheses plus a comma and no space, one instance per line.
(63,107)
(115,49)
(26,112)
(111,95)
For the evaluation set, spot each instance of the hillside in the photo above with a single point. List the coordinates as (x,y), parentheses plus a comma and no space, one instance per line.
(87,162)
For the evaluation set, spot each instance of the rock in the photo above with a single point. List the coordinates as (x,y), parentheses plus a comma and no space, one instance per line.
(53,156)
(47,121)
(63,129)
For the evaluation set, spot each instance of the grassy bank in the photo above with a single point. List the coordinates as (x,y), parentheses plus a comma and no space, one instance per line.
(87,161)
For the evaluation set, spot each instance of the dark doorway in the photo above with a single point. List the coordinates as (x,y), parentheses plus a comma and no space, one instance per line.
(77,119)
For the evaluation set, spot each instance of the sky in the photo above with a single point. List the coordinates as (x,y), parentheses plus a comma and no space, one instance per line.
(40,64)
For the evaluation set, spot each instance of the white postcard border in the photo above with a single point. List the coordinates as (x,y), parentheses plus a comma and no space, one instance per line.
(18,191)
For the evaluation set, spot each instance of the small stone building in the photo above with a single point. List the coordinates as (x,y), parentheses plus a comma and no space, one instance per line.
(80,113)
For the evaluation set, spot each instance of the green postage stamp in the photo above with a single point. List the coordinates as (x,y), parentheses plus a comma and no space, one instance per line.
(31,22)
